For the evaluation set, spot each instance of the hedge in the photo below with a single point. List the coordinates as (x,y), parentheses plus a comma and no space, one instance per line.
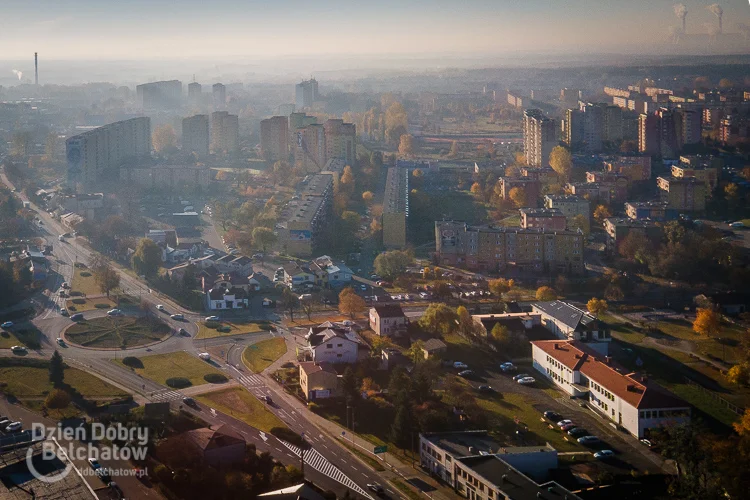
(132,362)
(178,382)
(215,378)
(78,301)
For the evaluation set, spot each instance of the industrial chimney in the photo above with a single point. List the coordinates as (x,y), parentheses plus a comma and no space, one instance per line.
(36,69)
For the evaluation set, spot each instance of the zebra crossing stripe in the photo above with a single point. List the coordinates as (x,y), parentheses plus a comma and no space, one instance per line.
(318,462)
(252,380)
(167,396)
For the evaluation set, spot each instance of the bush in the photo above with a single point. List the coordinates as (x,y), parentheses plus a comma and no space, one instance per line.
(215,378)
(78,301)
(132,362)
(288,435)
(178,382)
(102,306)
(85,274)
(57,399)
(72,308)
(75,293)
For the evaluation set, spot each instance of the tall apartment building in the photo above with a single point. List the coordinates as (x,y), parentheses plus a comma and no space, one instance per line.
(649,135)
(538,137)
(593,127)
(101,151)
(306,93)
(194,92)
(690,125)
(219,93)
(308,218)
(666,131)
(684,194)
(300,120)
(573,128)
(341,140)
(309,148)
(613,124)
(274,138)
(396,208)
(195,137)
(570,96)
(488,248)
(159,95)
(225,131)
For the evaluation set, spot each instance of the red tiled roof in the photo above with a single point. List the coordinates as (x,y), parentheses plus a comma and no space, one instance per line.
(563,351)
(310,367)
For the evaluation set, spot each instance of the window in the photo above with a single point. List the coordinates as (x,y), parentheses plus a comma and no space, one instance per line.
(339,345)
(339,355)
(329,346)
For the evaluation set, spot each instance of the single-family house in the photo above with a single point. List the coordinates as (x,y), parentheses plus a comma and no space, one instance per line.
(296,276)
(223,298)
(388,320)
(318,380)
(334,344)
(329,273)
(218,447)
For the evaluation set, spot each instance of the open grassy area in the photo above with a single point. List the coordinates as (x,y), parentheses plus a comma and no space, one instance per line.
(240,404)
(300,320)
(160,367)
(8,339)
(621,331)
(225,328)
(728,348)
(259,356)
(79,304)
(113,332)
(84,282)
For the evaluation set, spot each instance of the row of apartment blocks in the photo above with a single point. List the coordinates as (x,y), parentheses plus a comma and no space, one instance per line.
(167,95)
(310,144)
(396,208)
(487,248)
(223,136)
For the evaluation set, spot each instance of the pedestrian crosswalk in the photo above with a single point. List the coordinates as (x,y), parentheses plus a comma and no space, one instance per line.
(166,395)
(252,380)
(318,462)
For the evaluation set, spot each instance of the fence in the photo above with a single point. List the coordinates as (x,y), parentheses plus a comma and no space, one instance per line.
(739,410)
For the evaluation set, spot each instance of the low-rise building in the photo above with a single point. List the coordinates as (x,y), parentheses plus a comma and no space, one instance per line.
(568,322)
(618,228)
(296,276)
(627,399)
(218,299)
(318,380)
(167,176)
(570,205)
(693,168)
(329,273)
(545,175)
(433,348)
(332,344)
(542,218)
(89,206)
(388,320)
(652,210)
(635,168)
(683,194)
(218,447)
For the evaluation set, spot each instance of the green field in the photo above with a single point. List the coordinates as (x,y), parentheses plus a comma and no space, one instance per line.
(242,405)
(74,304)
(259,356)
(83,283)
(226,328)
(160,367)
(119,331)
(8,340)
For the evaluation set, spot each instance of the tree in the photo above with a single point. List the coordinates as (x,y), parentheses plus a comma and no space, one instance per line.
(561,162)
(147,257)
(50,146)
(438,318)
(635,246)
(742,427)
(546,293)
(350,386)
(732,195)
(399,382)
(347,180)
(415,353)
(56,370)
(223,213)
(500,287)
(579,222)
(402,424)
(57,399)
(367,197)
(406,145)
(22,143)
(106,278)
(476,189)
(289,301)
(739,374)
(393,263)
(263,237)
(454,149)
(396,122)
(466,325)
(378,344)
(601,212)
(707,322)
(597,306)
(350,303)
(518,196)
(697,475)
(500,333)
(165,139)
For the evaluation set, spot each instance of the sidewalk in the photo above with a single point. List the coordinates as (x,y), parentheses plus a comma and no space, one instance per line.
(394,465)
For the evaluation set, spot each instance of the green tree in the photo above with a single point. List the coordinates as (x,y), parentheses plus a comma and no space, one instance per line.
(350,386)
(438,318)
(57,399)
(401,428)
(106,278)
(264,237)
(597,306)
(500,287)
(56,370)
(561,162)
(147,257)
(223,213)
(399,382)
(579,222)
(415,353)
(289,301)
(393,263)
(466,325)
(500,333)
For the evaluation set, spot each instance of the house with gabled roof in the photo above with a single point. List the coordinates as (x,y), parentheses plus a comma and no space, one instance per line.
(329,272)
(568,322)
(333,344)
(388,320)
(626,398)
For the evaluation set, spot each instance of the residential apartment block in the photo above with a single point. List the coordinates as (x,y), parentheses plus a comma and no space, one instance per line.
(306,219)
(341,140)
(635,168)
(627,399)
(531,187)
(652,210)
(195,136)
(705,173)
(159,95)
(396,208)
(98,153)
(683,194)
(570,205)
(618,228)
(309,148)
(545,175)
(274,138)
(487,248)
(225,131)
(607,192)
(172,176)
(538,137)
(306,93)
(550,219)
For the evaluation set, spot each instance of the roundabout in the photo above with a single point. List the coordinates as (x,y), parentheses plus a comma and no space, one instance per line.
(119,332)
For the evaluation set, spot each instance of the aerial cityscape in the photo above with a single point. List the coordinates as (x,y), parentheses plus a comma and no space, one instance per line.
(405,250)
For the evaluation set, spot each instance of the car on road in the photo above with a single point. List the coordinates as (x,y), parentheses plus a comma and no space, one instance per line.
(604,454)
(577,432)
(520,376)
(587,440)
(64,312)
(94,463)
(737,224)
(7,324)
(551,415)
(466,374)
(160,307)
(375,488)
(114,312)
(564,422)
(212,318)
(485,388)
(4,422)
(526,380)
(103,474)
(460,365)
(204,356)
(266,399)
(14,427)
(508,367)
(183,332)
(65,284)
(60,341)
(18,349)
(647,443)
(76,317)
(190,402)
(177,317)
(374,277)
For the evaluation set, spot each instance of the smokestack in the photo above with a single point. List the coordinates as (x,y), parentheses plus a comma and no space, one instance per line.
(681,12)
(717,11)
(36,69)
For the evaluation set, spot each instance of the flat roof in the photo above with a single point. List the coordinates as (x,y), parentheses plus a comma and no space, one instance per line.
(396,198)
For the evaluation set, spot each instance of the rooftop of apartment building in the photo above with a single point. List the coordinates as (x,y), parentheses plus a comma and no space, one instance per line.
(317,185)
(647,204)
(626,222)
(679,180)
(540,212)
(396,198)
(500,229)
(564,197)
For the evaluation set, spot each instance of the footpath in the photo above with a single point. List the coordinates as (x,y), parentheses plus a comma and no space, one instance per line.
(395,467)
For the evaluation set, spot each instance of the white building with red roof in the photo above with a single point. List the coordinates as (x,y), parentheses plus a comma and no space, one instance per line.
(628,399)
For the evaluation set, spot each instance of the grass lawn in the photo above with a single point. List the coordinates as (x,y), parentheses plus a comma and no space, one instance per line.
(229,328)
(84,282)
(160,367)
(258,357)
(242,405)
(728,348)
(622,331)
(88,304)
(30,382)
(113,332)
(8,340)
(512,221)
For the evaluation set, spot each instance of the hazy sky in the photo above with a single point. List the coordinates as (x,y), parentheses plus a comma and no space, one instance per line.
(144,29)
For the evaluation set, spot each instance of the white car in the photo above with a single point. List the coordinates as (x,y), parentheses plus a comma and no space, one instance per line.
(60,341)
(204,356)
(14,426)
(114,312)
(18,349)
(563,423)
(160,307)
(527,380)
(7,324)
(212,318)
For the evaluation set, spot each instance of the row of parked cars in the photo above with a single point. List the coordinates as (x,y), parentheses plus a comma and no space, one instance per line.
(578,433)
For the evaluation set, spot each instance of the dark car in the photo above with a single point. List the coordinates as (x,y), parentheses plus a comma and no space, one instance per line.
(551,415)
(577,432)
(189,402)
(266,399)
(76,317)
(183,332)
(485,388)
(376,488)
(466,374)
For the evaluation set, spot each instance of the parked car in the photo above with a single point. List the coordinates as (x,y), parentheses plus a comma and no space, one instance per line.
(551,415)
(589,440)
(160,307)
(508,367)
(204,356)
(604,454)
(577,432)
(183,332)
(60,341)
(177,317)
(64,312)
(460,365)
(466,374)
(647,443)
(363,287)
(520,376)
(564,422)
(266,399)
(14,427)
(114,312)
(485,388)
(7,324)
(526,380)
(76,317)
(567,427)
(212,318)
(103,474)
(94,463)
(18,349)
